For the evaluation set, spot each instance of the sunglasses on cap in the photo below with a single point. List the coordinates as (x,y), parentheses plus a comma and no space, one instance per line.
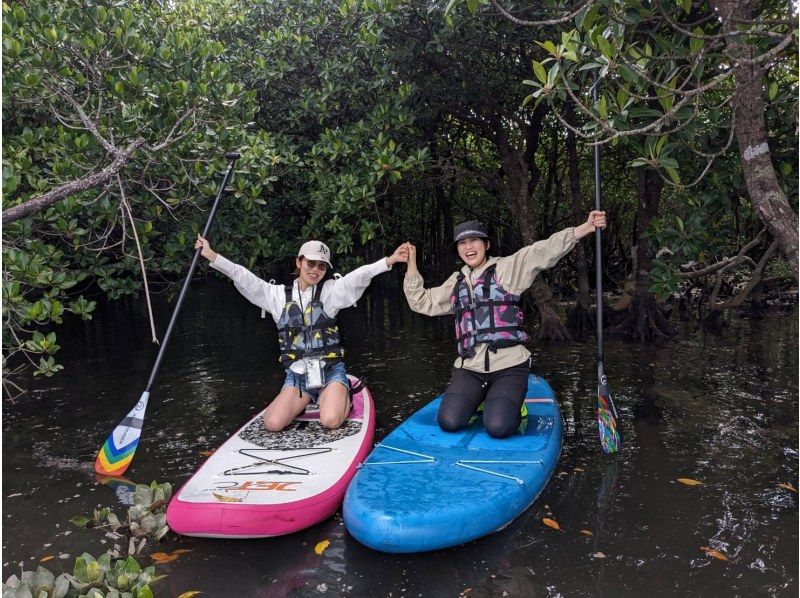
(316,265)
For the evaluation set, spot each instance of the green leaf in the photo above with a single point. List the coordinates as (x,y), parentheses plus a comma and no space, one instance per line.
(472,5)
(80,520)
(694,43)
(605,47)
(673,174)
(773,90)
(539,71)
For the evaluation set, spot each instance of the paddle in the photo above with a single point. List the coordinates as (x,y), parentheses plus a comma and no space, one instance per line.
(118,450)
(607,420)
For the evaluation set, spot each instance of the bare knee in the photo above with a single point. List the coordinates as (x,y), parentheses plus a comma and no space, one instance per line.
(273,423)
(330,420)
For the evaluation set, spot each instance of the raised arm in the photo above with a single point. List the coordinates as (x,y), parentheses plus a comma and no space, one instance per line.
(269,297)
(518,270)
(345,291)
(430,302)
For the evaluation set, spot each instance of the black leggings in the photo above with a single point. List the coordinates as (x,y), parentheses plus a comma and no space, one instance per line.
(503,391)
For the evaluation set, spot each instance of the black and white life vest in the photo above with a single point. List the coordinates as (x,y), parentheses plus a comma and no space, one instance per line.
(492,315)
(310,334)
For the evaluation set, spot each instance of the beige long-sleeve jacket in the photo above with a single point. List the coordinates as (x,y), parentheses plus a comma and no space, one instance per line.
(515,273)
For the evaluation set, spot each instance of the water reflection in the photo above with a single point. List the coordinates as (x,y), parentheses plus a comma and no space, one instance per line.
(722,410)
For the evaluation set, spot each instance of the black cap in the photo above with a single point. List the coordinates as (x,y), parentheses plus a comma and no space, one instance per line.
(470,229)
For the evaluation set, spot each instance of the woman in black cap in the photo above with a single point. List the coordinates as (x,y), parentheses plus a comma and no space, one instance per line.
(484,298)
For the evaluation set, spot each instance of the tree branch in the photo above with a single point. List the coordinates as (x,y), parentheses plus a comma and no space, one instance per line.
(89,181)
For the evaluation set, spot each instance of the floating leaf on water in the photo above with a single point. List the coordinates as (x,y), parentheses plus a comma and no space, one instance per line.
(598,555)
(585,532)
(579,469)
(206,453)
(551,523)
(44,559)
(190,593)
(320,548)
(788,487)
(182,551)
(163,557)
(715,553)
(80,520)
(689,481)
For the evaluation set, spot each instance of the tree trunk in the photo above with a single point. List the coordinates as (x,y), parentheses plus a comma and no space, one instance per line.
(769,200)
(644,321)
(518,184)
(580,318)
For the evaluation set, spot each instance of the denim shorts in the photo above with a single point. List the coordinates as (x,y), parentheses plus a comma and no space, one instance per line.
(331,373)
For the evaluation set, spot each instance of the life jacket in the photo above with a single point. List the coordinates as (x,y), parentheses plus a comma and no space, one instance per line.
(492,315)
(310,334)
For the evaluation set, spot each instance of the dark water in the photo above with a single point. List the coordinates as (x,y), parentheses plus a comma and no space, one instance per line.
(723,411)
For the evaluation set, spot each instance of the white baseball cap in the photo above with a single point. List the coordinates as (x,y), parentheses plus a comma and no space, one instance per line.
(315,250)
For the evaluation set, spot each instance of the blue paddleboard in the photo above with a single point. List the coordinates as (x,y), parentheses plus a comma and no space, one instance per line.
(424,489)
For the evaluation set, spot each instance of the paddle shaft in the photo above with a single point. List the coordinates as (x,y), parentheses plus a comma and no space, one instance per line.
(232,157)
(598,243)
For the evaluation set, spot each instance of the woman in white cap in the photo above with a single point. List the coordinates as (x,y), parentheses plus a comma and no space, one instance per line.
(484,298)
(305,313)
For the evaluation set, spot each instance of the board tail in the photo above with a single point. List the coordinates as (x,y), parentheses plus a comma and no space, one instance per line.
(120,446)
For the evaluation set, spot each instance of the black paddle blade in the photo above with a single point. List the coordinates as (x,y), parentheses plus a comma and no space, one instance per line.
(607,418)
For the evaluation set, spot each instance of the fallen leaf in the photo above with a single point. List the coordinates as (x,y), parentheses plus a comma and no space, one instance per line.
(715,553)
(320,548)
(190,594)
(579,469)
(465,592)
(689,482)
(599,555)
(206,453)
(164,557)
(586,532)
(788,487)
(551,523)
(44,559)
(223,498)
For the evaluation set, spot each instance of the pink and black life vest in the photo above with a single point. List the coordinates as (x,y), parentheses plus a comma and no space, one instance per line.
(492,315)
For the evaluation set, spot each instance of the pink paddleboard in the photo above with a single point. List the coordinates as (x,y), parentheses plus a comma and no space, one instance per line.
(261,484)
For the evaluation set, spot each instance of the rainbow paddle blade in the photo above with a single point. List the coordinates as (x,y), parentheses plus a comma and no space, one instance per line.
(607,419)
(118,450)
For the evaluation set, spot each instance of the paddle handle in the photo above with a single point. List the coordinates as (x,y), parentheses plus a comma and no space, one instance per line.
(232,157)
(598,242)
